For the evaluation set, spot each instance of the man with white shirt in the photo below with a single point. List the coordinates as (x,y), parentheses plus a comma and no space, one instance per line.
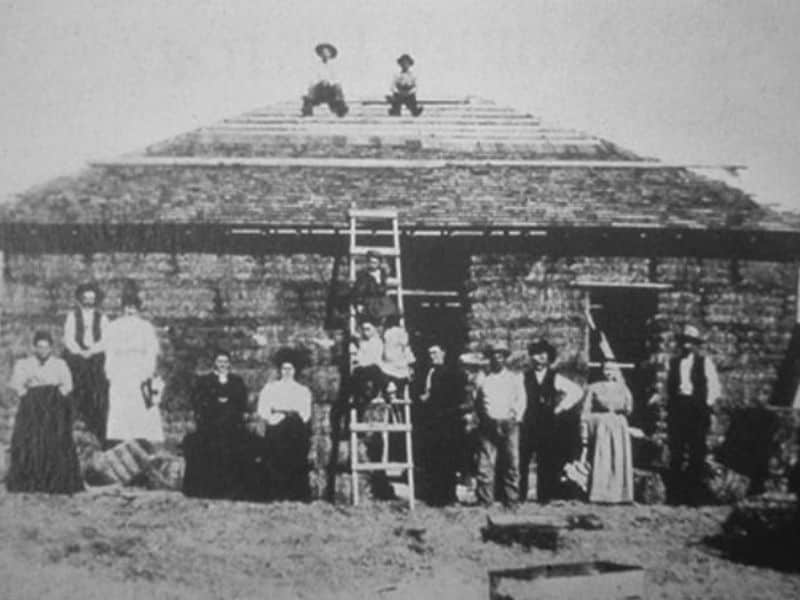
(325,87)
(500,404)
(404,89)
(84,330)
(692,389)
(550,427)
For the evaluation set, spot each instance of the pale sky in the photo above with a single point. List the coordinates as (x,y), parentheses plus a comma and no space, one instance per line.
(712,81)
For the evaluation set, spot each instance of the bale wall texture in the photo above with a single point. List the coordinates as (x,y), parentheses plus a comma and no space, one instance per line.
(201,301)
(197,302)
(746,309)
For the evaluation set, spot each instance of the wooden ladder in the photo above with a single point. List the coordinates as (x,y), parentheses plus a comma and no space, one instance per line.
(397,417)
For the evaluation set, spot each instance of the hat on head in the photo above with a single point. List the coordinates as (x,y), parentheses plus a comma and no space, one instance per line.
(472,359)
(540,345)
(690,332)
(405,58)
(90,286)
(497,346)
(325,45)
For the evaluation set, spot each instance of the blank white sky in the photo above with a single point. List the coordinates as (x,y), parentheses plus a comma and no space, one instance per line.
(712,81)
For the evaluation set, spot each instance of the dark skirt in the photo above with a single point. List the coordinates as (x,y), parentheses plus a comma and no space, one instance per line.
(43,456)
(214,463)
(284,460)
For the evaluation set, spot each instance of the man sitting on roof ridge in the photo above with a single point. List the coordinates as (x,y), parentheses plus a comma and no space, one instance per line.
(326,87)
(404,89)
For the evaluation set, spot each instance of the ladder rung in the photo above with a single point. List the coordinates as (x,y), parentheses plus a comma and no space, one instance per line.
(379,250)
(373,213)
(380,466)
(372,427)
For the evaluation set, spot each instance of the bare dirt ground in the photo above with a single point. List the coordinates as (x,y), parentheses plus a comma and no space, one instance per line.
(161,545)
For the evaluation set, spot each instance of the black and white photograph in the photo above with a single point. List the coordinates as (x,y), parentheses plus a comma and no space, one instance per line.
(369,300)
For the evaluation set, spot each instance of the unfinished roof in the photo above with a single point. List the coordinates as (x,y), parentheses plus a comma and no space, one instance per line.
(448,129)
(466,163)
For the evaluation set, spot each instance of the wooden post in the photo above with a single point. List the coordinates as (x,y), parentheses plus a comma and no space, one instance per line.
(797,298)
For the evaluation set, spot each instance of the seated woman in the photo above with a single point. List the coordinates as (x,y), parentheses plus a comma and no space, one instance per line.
(605,432)
(43,457)
(285,407)
(397,356)
(214,451)
(368,378)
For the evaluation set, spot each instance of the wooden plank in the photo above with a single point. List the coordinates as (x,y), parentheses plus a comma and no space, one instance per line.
(379,427)
(384,163)
(622,284)
(380,466)
(597,580)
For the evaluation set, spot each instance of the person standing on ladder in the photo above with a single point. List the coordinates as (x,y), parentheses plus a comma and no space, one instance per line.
(368,295)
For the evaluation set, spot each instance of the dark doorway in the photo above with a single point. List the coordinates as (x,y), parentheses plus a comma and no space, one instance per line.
(626,316)
(434,280)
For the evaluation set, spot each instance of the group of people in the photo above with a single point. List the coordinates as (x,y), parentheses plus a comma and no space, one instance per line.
(483,419)
(236,453)
(490,420)
(326,87)
(107,378)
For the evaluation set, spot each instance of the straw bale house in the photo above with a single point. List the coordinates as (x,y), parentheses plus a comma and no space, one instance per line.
(511,228)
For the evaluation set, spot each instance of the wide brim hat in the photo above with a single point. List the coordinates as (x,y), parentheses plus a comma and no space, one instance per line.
(90,286)
(541,345)
(495,347)
(692,333)
(405,58)
(331,48)
(473,359)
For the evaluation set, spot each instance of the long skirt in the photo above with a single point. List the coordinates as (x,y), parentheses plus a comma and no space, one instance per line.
(214,464)
(128,416)
(612,460)
(43,456)
(286,448)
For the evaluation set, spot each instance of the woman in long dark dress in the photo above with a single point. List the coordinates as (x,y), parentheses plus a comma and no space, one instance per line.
(285,407)
(43,456)
(214,452)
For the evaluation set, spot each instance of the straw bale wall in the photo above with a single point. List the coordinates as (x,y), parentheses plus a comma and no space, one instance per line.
(745,308)
(197,302)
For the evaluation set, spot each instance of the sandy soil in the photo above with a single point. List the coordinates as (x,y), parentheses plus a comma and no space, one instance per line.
(160,545)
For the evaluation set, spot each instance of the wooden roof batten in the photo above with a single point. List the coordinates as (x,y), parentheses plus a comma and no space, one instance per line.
(397,163)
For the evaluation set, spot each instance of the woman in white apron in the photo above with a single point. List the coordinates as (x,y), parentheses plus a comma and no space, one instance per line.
(131,347)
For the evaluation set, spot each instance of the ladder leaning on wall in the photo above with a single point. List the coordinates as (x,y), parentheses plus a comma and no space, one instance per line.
(397,417)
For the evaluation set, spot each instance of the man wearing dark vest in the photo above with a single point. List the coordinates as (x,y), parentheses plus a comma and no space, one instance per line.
(83,335)
(550,427)
(692,389)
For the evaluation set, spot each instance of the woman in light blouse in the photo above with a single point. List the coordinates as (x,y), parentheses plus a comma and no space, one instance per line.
(43,456)
(285,407)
